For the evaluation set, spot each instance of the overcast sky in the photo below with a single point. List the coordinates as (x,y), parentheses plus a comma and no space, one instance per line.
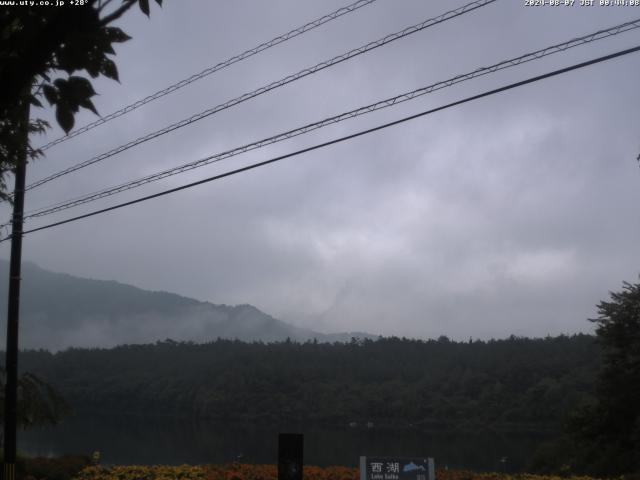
(514,214)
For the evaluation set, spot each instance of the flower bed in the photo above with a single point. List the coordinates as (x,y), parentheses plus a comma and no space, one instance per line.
(269,472)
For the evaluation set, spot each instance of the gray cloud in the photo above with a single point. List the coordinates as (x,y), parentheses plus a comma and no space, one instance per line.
(513,214)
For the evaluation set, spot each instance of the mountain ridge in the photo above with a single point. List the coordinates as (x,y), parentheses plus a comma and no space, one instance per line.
(59,310)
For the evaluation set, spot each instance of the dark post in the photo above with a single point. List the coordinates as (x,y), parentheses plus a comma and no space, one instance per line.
(11,362)
(290,454)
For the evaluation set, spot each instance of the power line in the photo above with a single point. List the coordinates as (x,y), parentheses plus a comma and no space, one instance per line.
(210,70)
(561,47)
(279,83)
(339,140)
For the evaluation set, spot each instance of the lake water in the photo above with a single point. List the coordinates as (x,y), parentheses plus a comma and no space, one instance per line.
(153,440)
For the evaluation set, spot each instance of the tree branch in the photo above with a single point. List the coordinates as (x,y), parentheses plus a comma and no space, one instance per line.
(117,13)
(103,5)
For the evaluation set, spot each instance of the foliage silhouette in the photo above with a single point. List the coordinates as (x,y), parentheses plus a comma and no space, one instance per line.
(602,436)
(38,402)
(41,49)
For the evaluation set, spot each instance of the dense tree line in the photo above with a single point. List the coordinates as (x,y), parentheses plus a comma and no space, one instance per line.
(602,437)
(518,383)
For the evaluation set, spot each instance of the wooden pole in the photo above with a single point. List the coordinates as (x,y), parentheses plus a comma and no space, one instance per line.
(11,362)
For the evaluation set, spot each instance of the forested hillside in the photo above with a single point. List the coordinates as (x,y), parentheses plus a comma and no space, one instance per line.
(60,310)
(518,383)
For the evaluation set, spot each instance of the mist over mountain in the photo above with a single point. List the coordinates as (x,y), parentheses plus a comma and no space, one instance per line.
(58,311)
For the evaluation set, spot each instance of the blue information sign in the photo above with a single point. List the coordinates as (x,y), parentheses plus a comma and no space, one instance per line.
(396,468)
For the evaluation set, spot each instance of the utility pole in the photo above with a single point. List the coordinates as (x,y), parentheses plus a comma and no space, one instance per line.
(11,362)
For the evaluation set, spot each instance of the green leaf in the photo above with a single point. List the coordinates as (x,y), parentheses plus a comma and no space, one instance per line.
(107,48)
(51,94)
(94,63)
(109,69)
(81,88)
(73,55)
(73,93)
(65,117)
(116,35)
(11,29)
(38,126)
(144,6)
(93,68)
(34,101)
(88,104)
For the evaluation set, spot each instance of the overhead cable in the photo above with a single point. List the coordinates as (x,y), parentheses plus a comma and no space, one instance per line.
(561,47)
(215,68)
(271,86)
(337,140)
